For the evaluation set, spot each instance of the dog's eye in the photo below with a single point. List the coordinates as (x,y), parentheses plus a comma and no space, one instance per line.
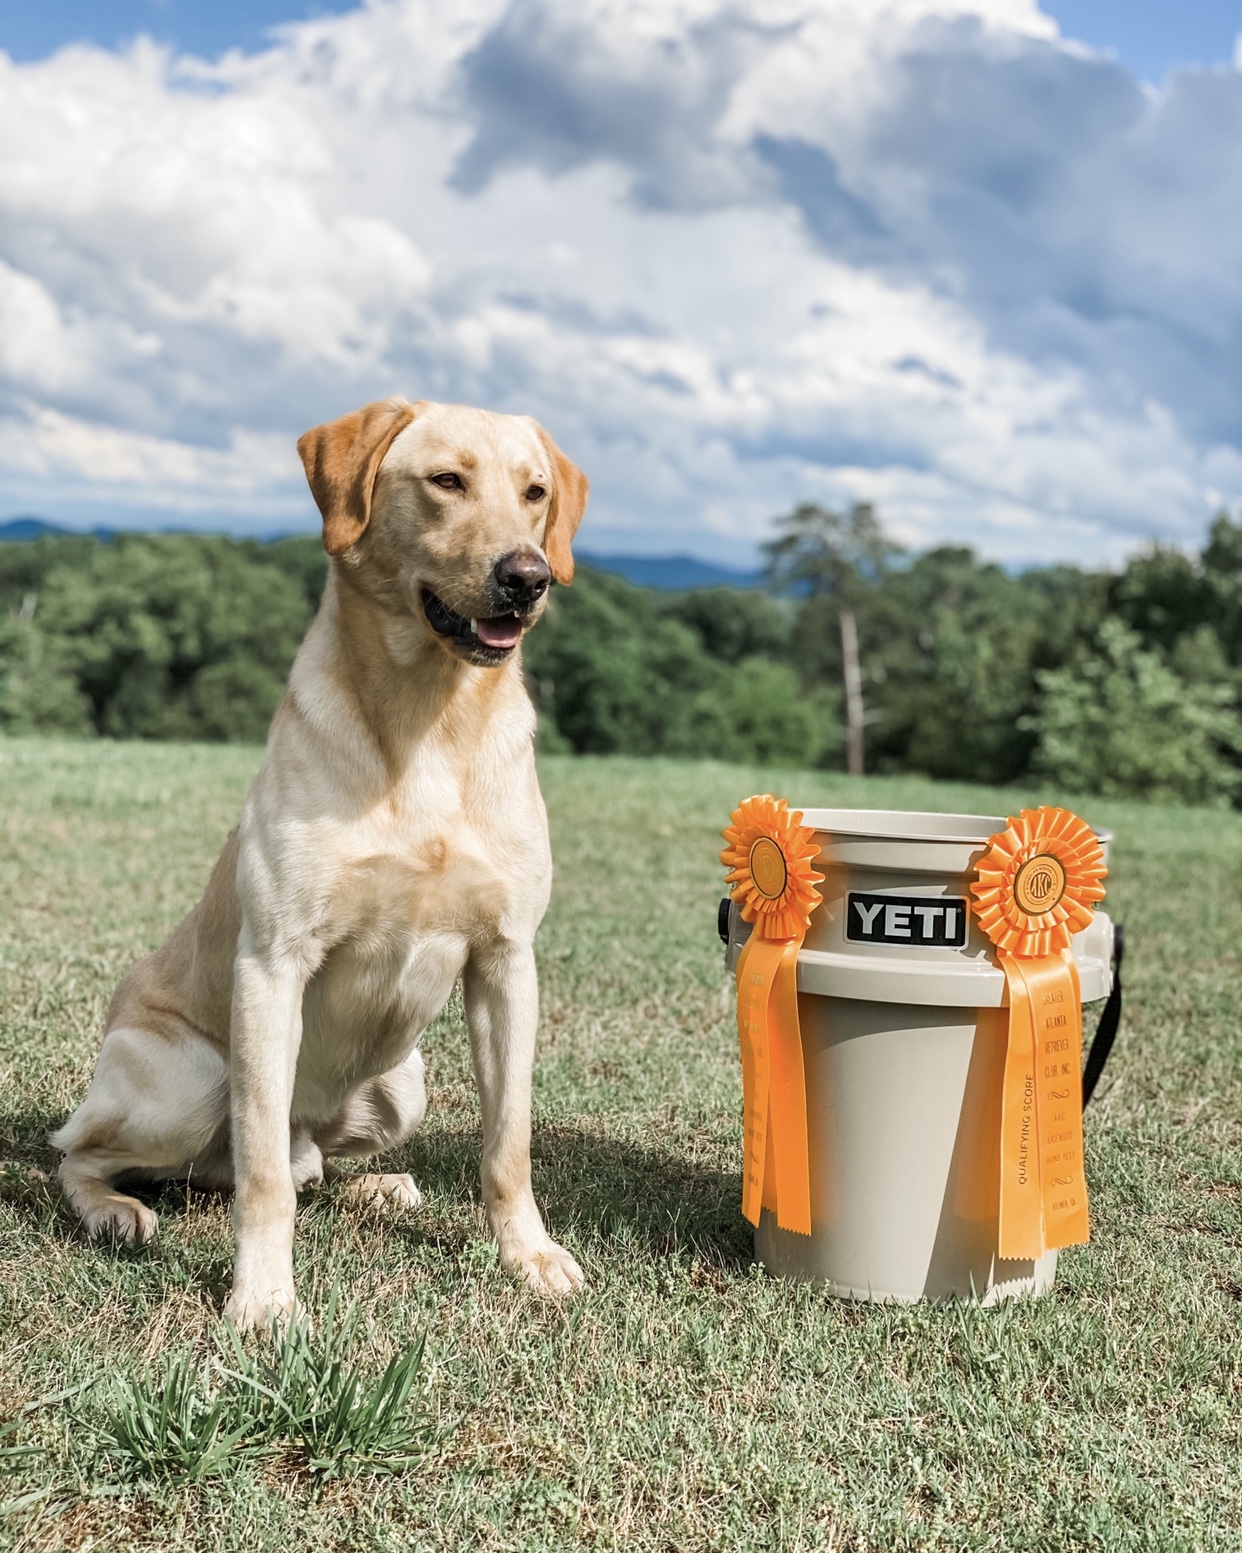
(448,482)
(535,493)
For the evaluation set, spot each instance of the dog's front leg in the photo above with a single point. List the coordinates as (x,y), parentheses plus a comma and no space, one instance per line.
(266,1035)
(502,1010)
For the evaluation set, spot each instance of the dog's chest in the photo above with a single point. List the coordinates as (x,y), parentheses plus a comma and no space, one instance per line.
(368,1005)
(429,861)
(418,890)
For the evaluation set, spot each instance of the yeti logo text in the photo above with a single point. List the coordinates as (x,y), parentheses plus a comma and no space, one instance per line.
(912,920)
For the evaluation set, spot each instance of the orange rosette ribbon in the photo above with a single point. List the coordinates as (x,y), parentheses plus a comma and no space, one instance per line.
(1035,887)
(768,855)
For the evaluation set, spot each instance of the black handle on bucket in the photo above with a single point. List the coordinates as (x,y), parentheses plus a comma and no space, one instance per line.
(1110,1021)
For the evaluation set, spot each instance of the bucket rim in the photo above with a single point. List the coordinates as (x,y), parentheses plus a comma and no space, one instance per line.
(899,825)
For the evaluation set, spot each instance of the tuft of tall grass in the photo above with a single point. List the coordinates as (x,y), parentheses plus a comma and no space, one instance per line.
(301,1396)
(173,1425)
(310,1397)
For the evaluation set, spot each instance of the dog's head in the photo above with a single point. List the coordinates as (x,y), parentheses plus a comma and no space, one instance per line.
(461,517)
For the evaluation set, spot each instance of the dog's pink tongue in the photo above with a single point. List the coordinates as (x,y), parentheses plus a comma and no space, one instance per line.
(499,631)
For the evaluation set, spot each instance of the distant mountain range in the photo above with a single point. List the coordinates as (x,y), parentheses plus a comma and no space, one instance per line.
(672,572)
(34,528)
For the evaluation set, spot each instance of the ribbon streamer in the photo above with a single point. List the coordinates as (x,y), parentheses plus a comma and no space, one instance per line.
(768,855)
(1036,886)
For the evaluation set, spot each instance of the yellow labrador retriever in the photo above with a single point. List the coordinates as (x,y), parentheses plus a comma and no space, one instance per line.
(394,839)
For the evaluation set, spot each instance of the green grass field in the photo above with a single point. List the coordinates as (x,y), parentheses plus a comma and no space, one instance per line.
(686,1401)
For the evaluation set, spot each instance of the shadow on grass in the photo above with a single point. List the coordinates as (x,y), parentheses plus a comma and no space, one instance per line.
(590,1188)
(24,1135)
(603,1189)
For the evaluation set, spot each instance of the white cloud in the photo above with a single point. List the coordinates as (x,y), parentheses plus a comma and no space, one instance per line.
(36,345)
(734,254)
(76,460)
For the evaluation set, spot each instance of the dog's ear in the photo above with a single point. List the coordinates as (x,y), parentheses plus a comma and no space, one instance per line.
(342,459)
(569,499)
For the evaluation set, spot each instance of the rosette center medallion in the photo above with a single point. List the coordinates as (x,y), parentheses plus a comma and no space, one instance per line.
(1039,884)
(768,868)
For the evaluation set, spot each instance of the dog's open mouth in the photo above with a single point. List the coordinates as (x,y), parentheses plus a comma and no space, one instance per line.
(484,641)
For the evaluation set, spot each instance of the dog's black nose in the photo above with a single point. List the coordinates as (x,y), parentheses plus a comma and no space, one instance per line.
(522,577)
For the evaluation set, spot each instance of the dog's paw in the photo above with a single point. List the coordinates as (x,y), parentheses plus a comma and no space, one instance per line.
(379,1191)
(550,1270)
(250,1312)
(124,1219)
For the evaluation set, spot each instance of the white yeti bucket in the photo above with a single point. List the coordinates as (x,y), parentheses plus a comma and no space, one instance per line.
(903,1010)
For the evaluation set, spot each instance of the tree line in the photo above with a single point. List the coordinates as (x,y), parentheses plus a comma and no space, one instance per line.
(1116,682)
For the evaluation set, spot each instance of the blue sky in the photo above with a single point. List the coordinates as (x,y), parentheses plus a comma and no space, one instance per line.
(32,29)
(974,260)
(1149,36)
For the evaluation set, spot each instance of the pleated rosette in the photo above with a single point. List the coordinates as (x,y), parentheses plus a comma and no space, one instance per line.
(768,855)
(1038,881)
